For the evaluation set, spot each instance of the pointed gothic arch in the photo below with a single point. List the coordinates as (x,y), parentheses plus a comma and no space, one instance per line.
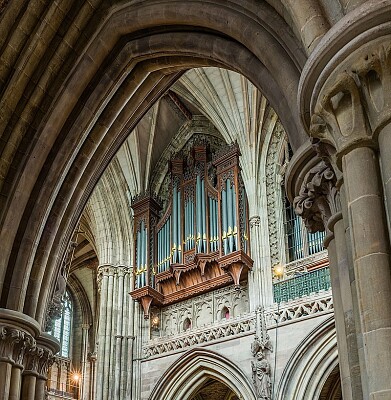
(186,375)
(135,53)
(309,367)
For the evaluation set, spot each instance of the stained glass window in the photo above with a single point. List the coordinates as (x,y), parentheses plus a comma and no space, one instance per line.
(63,325)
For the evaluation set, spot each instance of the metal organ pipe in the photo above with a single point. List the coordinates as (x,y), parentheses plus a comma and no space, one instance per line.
(198,214)
(138,260)
(234,219)
(143,249)
(203,214)
(224,219)
(217,224)
(179,231)
(230,217)
(168,243)
(211,231)
(174,226)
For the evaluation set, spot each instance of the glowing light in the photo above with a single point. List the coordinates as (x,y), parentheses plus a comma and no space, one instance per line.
(75,376)
(278,270)
(155,322)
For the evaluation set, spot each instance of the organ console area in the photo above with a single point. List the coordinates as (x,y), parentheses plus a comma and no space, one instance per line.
(200,241)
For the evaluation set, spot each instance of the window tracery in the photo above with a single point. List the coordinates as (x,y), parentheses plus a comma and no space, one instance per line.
(63,326)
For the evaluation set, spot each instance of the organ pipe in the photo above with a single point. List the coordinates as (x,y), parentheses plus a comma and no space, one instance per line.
(203,214)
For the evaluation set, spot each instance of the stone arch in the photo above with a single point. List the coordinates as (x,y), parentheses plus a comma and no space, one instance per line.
(332,389)
(133,56)
(186,375)
(310,365)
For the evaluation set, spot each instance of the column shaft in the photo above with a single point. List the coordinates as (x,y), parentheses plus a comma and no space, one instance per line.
(84,361)
(260,279)
(344,369)
(28,387)
(107,338)
(371,264)
(385,164)
(101,337)
(119,336)
(5,379)
(40,388)
(16,383)
(348,312)
(127,353)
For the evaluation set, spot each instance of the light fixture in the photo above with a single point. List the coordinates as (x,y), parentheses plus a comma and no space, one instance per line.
(278,270)
(155,321)
(75,376)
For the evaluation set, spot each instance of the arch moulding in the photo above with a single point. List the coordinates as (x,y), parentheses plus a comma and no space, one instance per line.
(186,375)
(311,364)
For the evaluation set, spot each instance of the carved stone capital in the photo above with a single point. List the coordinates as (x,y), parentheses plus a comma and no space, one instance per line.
(32,360)
(21,348)
(318,197)
(13,343)
(45,362)
(354,103)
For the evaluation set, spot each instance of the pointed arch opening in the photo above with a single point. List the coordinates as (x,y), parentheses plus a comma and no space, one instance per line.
(312,363)
(197,369)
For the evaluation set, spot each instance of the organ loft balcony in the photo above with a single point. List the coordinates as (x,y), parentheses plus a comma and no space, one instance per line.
(197,238)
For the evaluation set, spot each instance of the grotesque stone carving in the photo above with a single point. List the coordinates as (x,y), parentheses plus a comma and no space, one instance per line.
(318,198)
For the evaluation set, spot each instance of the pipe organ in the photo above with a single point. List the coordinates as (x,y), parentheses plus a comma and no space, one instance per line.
(200,241)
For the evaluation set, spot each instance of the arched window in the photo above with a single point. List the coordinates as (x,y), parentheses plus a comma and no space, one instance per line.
(63,325)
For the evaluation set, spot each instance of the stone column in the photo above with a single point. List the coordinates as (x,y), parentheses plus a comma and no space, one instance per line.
(318,203)
(108,308)
(136,347)
(130,315)
(113,326)
(92,358)
(371,258)
(385,163)
(7,341)
(84,351)
(17,333)
(261,289)
(103,280)
(350,107)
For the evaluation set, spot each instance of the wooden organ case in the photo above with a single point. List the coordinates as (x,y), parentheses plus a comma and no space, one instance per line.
(200,242)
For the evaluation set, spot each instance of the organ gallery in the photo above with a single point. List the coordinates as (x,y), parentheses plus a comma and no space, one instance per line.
(200,240)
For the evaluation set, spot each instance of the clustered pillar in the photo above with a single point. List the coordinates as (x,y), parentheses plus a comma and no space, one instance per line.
(115,332)
(25,357)
(348,194)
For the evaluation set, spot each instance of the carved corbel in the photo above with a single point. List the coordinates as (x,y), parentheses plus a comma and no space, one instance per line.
(318,198)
